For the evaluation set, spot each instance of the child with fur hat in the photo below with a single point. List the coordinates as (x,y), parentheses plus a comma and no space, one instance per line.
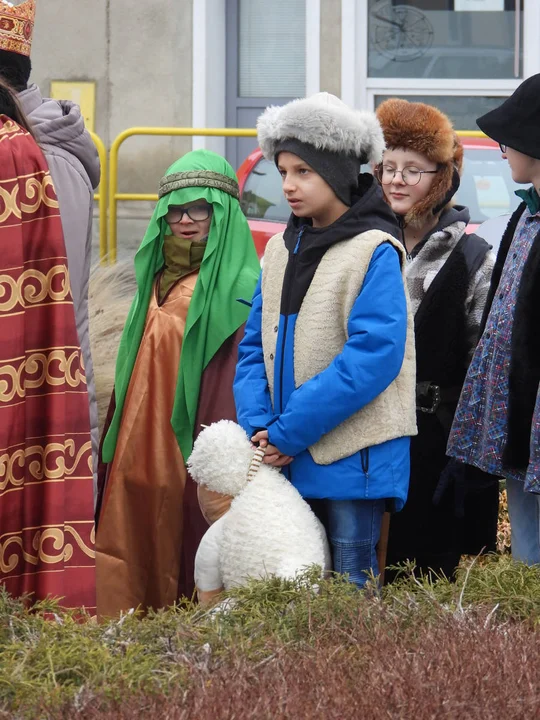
(325,376)
(497,424)
(448,273)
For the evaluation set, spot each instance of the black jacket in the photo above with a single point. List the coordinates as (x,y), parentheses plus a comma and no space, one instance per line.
(440,321)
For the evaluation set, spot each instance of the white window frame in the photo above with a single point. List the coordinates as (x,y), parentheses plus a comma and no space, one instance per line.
(209,65)
(359,90)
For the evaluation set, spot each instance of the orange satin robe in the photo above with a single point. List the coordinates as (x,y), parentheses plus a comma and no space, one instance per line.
(140,531)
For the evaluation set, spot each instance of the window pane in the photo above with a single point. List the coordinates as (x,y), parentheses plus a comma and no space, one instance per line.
(272,48)
(262,197)
(435,39)
(462,110)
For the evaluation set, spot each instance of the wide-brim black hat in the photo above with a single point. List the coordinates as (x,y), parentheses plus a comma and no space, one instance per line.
(516,122)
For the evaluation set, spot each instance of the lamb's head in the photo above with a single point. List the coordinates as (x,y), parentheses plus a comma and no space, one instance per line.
(221,457)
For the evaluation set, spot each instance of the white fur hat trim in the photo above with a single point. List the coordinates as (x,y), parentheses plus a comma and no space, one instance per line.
(325,122)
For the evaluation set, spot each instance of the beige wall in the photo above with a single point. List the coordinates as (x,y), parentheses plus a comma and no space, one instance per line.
(331,46)
(139,55)
(70,43)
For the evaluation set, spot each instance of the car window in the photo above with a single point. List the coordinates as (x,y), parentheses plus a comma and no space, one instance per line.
(486,188)
(262,196)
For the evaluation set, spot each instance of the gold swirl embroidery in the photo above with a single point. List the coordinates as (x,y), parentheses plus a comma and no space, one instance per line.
(49,462)
(87,550)
(9,198)
(11,382)
(8,465)
(36,193)
(9,127)
(58,544)
(32,294)
(63,550)
(47,199)
(33,191)
(33,286)
(7,566)
(55,368)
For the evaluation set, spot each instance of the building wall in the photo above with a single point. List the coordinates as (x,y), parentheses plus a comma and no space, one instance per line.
(140,56)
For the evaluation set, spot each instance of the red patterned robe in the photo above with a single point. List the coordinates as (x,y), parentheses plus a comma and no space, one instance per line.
(46,496)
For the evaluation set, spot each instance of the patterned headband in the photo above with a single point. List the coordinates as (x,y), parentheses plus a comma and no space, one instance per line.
(198,178)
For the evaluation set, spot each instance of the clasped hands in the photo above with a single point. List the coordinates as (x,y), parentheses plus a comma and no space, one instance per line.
(273,456)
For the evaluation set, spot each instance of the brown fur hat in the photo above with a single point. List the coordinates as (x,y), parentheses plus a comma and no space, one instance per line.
(425,130)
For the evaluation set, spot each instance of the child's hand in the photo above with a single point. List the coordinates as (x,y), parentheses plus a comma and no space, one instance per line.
(261,437)
(273,456)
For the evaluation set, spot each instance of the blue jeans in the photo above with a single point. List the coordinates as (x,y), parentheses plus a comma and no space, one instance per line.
(524,512)
(353,528)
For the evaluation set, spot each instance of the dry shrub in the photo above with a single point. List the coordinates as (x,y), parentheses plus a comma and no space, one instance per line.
(111,292)
(452,669)
(421,650)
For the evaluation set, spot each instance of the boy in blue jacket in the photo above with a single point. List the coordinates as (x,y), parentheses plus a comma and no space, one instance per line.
(326,370)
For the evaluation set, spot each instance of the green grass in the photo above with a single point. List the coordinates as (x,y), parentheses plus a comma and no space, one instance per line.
(54,663)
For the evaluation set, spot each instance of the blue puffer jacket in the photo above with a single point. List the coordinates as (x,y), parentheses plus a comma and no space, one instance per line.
(370,360)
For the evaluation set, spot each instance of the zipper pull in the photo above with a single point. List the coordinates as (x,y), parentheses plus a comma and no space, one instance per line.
(297,246)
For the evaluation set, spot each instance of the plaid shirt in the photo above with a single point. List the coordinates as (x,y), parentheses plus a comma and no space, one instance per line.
(480,425)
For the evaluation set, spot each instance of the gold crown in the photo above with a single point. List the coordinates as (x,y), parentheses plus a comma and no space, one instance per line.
(16,26)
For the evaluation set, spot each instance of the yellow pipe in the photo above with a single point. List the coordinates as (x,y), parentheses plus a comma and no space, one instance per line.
(101,197)
(167,132)
(471,133)
(137,196)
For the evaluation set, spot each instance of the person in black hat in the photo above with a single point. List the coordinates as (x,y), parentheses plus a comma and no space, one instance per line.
(497,424)
(326,374)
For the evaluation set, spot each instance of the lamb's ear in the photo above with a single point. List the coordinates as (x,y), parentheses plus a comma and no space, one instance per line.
(220,458)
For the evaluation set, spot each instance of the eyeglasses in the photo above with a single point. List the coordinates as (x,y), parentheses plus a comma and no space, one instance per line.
(410,176)
(197,213)
(504,148)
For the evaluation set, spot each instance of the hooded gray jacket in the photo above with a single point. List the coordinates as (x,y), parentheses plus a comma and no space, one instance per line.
(75,169)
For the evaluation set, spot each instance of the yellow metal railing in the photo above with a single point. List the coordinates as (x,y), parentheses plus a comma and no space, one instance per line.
(101,196)
(471,133)
(115,196)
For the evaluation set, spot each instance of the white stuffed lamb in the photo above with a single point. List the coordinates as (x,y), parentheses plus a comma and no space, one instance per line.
(268,530)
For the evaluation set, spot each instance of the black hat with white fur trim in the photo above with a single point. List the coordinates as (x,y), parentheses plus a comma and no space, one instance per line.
(328,135)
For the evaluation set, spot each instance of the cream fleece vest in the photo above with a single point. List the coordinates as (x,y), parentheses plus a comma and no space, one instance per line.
(321,333)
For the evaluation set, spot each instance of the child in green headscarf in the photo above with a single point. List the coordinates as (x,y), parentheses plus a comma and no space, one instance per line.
(196,271)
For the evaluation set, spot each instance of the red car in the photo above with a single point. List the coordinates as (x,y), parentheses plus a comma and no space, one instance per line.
(486,189)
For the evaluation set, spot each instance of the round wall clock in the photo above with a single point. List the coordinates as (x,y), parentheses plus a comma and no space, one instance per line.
(399,32)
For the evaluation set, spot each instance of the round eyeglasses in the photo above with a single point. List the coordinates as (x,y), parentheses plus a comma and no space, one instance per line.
(503,147)
(410,176)
(197,213)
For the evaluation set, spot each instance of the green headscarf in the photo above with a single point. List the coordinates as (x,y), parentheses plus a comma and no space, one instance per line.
(228,272)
